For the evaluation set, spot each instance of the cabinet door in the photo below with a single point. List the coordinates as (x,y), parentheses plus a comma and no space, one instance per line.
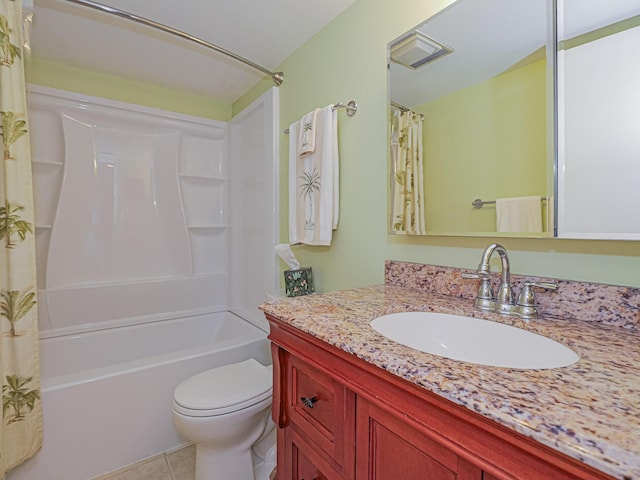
(389,448)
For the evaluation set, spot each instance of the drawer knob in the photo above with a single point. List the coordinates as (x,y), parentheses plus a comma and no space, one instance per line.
(308,402)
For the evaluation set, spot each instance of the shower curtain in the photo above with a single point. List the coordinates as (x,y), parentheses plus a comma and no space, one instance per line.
(407,195)
(21,428)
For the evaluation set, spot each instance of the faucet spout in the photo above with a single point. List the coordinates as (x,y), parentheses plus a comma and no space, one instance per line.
(504,258)
(504,298)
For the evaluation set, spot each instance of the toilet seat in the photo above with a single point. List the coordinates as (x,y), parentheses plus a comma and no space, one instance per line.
(224,389)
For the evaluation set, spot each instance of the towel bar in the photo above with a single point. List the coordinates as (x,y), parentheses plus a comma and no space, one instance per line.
(351,107)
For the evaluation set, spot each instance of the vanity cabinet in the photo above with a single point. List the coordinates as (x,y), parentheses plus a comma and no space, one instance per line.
(397,449)
(340,417)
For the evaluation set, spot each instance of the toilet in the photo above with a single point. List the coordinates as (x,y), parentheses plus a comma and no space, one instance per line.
(225,411)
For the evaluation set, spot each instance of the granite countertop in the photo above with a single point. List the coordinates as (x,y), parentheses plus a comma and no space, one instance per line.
(589,410)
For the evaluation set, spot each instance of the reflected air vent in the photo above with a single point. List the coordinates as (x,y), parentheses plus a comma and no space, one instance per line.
(415,50)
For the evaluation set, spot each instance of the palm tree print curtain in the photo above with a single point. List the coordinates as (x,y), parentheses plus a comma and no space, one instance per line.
(21,428)
(407,195)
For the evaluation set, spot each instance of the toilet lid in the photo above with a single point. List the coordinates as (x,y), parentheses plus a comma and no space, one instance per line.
(224,389)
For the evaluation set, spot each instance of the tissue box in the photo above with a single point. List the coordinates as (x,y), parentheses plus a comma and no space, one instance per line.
(298,282)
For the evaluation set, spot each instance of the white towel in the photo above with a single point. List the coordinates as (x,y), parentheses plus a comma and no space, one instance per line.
(313,182)
(519,214)
(307,134)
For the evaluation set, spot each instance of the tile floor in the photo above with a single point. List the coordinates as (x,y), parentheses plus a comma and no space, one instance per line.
(176,465)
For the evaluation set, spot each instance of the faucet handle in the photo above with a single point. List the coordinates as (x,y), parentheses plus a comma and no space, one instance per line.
(526,306)
(475,275)
(545,285)
(485,300)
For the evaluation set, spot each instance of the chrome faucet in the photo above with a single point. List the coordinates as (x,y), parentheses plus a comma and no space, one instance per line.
(485,300)
(503,303)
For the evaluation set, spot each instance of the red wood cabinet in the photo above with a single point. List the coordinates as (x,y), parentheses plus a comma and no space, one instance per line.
(396,450)
(340,418)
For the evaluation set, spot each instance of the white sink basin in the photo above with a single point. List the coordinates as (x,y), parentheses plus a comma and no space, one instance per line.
(474,340)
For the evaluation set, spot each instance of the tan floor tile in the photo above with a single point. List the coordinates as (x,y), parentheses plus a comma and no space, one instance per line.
(155,468)
(183,463)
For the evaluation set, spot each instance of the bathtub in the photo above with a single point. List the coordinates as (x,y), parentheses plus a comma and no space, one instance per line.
(106,395)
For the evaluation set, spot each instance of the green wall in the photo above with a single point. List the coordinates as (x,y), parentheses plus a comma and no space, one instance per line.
(88,82)
(347,60)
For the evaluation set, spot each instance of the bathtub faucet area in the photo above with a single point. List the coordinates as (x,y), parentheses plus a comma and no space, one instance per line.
(523,307)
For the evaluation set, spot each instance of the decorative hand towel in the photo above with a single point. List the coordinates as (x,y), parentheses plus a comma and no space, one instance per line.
(519,214)
(307,133)
(313,182)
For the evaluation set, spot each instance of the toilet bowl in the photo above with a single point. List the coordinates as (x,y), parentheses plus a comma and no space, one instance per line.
(224,411)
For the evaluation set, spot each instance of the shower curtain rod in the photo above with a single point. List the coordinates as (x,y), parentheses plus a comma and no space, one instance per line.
(403,109)
(399,106)
(277,77)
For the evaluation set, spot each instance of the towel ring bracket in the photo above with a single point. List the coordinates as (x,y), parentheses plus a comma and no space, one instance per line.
(351,107)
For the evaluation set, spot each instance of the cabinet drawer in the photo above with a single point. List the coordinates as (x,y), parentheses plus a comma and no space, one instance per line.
(303,462)
(322,410)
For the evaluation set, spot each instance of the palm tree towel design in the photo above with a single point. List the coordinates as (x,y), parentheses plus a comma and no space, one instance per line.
(313,179)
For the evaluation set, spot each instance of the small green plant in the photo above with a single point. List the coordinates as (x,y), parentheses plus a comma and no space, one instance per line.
(310,184)
(12,130)
(398,225)
(15,305)
(11,223)
(9,50)
(17,397)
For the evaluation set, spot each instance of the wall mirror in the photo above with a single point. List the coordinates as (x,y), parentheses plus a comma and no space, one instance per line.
(484,109)
(473,91)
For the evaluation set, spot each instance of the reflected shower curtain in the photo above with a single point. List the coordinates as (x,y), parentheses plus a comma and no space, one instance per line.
(407,195)
(21,428)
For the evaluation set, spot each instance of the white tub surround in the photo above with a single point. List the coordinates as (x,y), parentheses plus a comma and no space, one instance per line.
(121,222)
(141,260)
(133,214)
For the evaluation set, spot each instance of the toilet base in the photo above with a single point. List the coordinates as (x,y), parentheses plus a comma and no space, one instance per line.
(264,468)
(216,464)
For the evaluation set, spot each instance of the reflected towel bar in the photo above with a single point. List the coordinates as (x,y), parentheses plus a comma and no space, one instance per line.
(479,203)
(352,108)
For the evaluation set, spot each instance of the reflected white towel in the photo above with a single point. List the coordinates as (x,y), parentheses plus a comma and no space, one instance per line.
(313,183)
(519,214)
(307,134)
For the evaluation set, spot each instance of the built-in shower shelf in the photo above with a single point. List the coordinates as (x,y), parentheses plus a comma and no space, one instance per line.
(207,227)
(202,178)
(47,164)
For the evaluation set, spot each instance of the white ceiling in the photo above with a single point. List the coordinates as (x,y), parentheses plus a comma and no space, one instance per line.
(263,31)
